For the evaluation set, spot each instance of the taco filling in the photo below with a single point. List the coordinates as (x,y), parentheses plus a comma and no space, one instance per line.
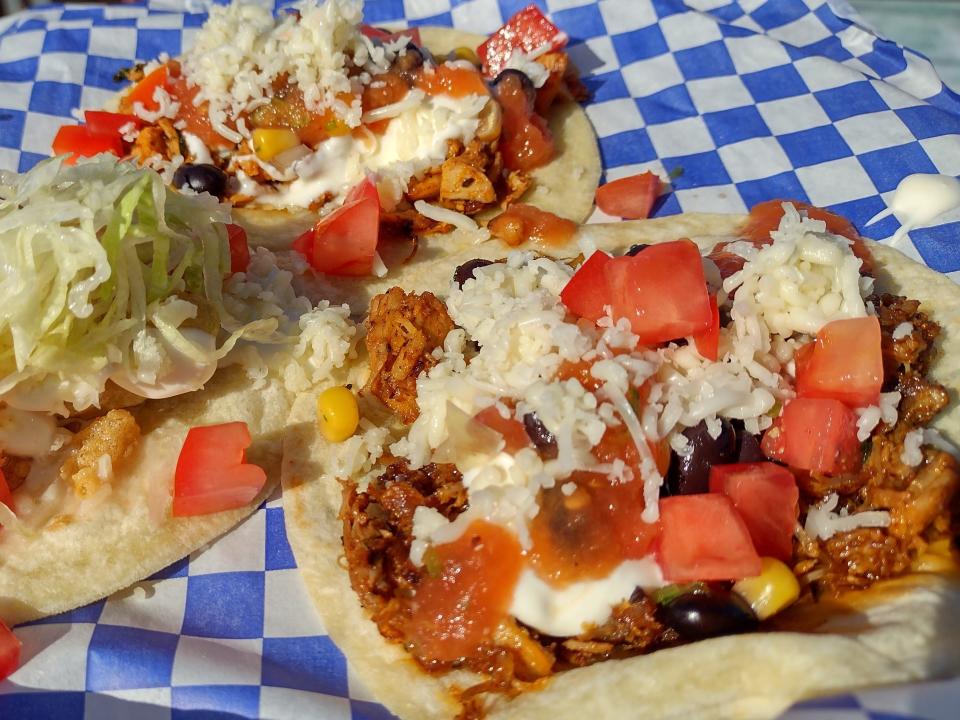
(295,110)
(613,455)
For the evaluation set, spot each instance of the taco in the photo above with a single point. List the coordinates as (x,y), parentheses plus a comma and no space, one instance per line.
(699,466)
(147,364)
(284,116)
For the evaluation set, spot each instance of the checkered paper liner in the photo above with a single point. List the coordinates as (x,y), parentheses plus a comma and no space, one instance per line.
(737,102)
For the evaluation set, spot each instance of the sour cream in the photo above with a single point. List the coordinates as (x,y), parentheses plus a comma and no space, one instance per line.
(919,199)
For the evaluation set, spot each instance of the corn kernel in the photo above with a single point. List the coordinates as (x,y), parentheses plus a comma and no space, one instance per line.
(466,53)
(771,591)
(270,142)
(337,413)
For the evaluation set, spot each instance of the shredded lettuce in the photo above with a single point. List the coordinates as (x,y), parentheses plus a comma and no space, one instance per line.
(109,275)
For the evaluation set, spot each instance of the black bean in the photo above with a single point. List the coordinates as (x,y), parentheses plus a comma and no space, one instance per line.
(700,615)
(748,448)
(510,76)
(636,249)
(544,440)
(465,271)
(690,474)
(410,62)
(201,178)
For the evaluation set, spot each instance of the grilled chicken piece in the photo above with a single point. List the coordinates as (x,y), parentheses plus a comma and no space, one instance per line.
(113,435)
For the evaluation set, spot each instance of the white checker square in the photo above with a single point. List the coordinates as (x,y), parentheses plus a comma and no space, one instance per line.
(113,42)
(16,95)
(287,608)
(172,21)
(21,45)
(894,97)
(873,131)
(945,153)
(803,31)
(423,8)
(647,77)
(654,166)
(836,181)
(145,704)
(820,73)
(188,37)
(357,688)
(595,56)
(54,657)
(39,131)
(242,549)
(217,661)
(792,114)
(9,159)
(95,98)
(118,12)
(554,5)
(481,16)
(932,700)
(712,199)
(856,40)
(755,52)
(683,137)
(614,116)
(621,16)
(918,78)
(687,30)
(279,703)
(719,93)
(861,67)
(754,159)
(150,605)
(64,67)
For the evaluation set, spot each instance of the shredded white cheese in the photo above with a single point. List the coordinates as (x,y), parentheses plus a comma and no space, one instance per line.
(902,330)
(823,522)
(445,215)
(912,454)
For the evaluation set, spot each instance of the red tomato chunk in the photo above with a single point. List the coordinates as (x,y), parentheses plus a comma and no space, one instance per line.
(704,538)
(843,363)
(708,342)
(630,197)
(79,141)
(514,434)
(9,652)
(816,434)
(212,474)
(527,30)
(766,496)
(239,250)
(586,293)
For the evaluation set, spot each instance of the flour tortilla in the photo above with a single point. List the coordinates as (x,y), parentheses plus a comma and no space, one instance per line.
(116,544)
(565,186)
(900,631)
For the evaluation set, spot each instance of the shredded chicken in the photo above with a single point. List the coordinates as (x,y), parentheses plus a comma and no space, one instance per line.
(161,139)
(403,330)
(114,435)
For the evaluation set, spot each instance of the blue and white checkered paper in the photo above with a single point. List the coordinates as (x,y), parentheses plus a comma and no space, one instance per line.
(738,102)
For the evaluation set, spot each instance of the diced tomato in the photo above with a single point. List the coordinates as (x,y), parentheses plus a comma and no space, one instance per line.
(587,292)
(527,30)
(525,140)
(631,197)
(581,372)
(765,217)
(766,496)
(452,80)
(108,123)
(6,497)
(9,652)
(521,223)
(844,362)
(708,341)
(457,609)
(212,474)
(816,434)
(513,432)
(661,291)
(727,262)
(702,537)
(345,241)
(194,117)
(375,33)
(78,141)
(143,91)
(239,249)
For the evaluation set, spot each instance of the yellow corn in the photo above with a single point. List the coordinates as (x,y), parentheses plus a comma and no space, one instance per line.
(270,142)
(771,591)
(466,53)
(337,413)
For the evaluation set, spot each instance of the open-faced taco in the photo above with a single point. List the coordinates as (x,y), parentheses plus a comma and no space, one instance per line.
(286,116)
(147,361)
(698,467)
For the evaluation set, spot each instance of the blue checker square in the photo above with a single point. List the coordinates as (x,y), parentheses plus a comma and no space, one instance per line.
(860,211)
(66,40)
(100,72)
(626,148)
(856,98)
(441,20)
(775,13)
(92,14)
(730,126)
(775,83)
(11,127)
(215,702)
(728,13)
(938,246)
(830,47)
(224,605)
(666,8)
(946,100)
(152,41)
(305,663)
(19,70)
(606,86)
(697,170)
(926,122)
(383,11)
(360,710)
(734,31)
(55,98)
(888,166)
(194,20)
(28,160)
(278,555)
(813,146)
(885,60)
(782,185)
(710,60)
(42,705)
(831,21)
(640,44)
(667,204)
(180,568)
(581,22)
(667,105)
(121,658)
